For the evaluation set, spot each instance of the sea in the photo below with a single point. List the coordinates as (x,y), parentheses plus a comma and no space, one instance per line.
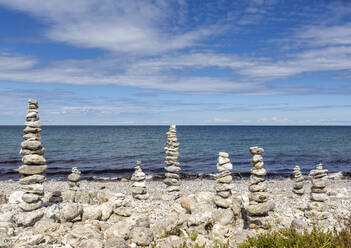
(112,151)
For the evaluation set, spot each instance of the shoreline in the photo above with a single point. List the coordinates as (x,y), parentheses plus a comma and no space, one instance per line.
(192,176)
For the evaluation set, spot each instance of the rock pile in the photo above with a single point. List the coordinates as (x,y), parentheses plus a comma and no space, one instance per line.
(74,182)
(34,163)
(172,166)
(317,208)
(139,187)
(257,211)
(223,181)
(298,181)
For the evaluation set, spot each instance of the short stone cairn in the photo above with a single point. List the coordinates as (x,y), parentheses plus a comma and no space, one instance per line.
(31,180)
(298,187)
(74,180)
(139,187)
(172,165)
(257,211)
(223,181)
(318,206)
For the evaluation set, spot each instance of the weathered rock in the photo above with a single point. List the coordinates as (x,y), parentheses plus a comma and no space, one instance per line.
(27,219)
(31,144)
(91,213)
(116,242)
(32,179)
(259,209)
(71,211)
(32,169)
(142,236)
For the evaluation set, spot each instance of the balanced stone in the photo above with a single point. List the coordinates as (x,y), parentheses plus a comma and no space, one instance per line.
(223,181)
(139,186)
(33,159)
(34,163)
(258,208)
(298,187)
(172,167)
(317,209)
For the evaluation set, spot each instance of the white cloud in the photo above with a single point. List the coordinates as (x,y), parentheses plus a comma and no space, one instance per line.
(135,27)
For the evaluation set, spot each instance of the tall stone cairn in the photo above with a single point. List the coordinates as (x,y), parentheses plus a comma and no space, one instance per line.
(318,206)
(139,187)
(172,167)
(223,181)
(257,211)
(31,180)
(298,187)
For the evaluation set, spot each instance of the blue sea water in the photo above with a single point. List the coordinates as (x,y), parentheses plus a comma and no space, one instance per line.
(110,151)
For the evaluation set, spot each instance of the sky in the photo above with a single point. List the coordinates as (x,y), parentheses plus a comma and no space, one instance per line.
(198,62)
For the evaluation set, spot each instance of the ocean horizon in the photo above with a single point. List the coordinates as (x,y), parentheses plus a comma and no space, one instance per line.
(112,150)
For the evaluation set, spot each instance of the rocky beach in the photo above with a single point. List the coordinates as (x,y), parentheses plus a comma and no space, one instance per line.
(105,214)
(164,211)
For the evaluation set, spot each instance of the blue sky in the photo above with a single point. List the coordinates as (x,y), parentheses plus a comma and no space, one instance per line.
(259,62)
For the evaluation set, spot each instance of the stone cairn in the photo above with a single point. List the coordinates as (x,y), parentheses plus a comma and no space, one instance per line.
(317,208)
(257,211)
(34,163)
(172,166)
(74,182)
(223,181)
(298,181)
(139,187)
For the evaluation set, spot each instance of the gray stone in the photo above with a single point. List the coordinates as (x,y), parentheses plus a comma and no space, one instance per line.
(33,124)
(91,213)
(319,183)
(39,151)
(30,198)
(259,209)
(256,158)
(142,236)
(298,224)
(27,219)
(35,188)
(32,169)
(172,169)
(116,243)
(30,206)
(33,159)
(259,172)
(171,182)
(31,130)
(225,179)
(259,187)
(256,150)
(123,211)
(71,211)
(31,144)
(73,177)
(258,196)
(320,197)
(222,202)
(32,179)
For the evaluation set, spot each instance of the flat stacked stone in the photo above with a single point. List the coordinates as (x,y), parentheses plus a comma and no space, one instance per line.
(318,206)
(172,165)
(223,181)
(298,187)
(257,211)
(31,180)
(139,187)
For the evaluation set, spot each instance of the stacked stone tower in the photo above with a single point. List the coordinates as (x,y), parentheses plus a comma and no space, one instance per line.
(139,187)
(298,181)
(74,179)
(34,163)
(317,208)
(172,165)
(257,211)
(223,181)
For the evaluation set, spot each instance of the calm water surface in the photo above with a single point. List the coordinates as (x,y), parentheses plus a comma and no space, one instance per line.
(113,150)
